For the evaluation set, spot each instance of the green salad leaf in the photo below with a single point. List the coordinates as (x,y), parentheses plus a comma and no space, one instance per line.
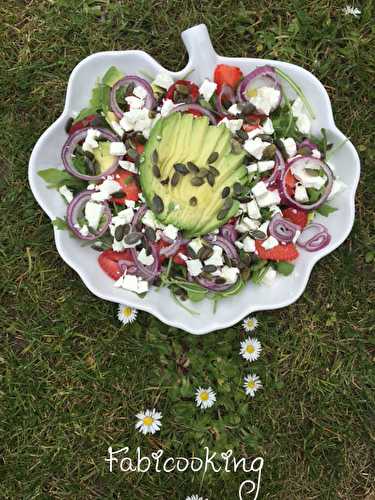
(56,178)
(284,268)
(326,210)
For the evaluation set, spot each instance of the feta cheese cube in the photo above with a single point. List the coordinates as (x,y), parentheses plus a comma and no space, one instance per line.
(252,168)
(267,126)
(234,109)
(232,125)
(253,210)
(263,166)
(129,166)
(130,282)
(290,146)
(303,124)
(269,277)
(268,199)
(90,141)
(239,244)
(249,244)
(255,147)
(142,286)
(194,267)
(195,245)
(230,274)
(259,189)
(150,220)
(300,194)
(166,107)
(171,231)
(93,214)
(163,80)
(269,243)
(105,190)
(264,227)
(216,258)
(66,193)
(140,92)
(316,153)
(266,99)
(146,260)
(251,224)
(134,102)
(308,180)
(207,89)
(117,148)
(256,131)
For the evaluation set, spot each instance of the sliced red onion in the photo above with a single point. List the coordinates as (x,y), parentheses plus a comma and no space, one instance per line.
(274,179)
(263,76)
(70,145)
(314,237)
(227,92)
(139,215)
(306,143)
(149,273)
(182,108)
(226,245)
(150,101)
(75,208)
(229,233)
(282,229)
(288,200)
(212,286)
(172,249)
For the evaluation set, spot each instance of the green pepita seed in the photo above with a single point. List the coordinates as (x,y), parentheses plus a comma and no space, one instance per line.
(119,233)
(214,171)
(196,181)
(211,179)
(203,172)
(156,171)
(225,192)
(269,152)
(133,238)
(175,178)
(193,201)
(247,108)
(190,253)
(242,134)
(89,155)
(192,167)
(237,188)
(265,137)
(220,281)
(69,124)
(155,156)
(304,151)
(165,181)
(258,235)
(205,253)
(244,199)
(127,228)
(91,167)
(209,268)
(157,204)
(222,214)
(213,157)
(245,273)
(236,147)
(150,234)
(228,203)
(181,168)
(118,195)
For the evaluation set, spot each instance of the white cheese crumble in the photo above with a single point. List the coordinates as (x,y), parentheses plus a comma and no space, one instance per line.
(256,131)
(216,258)
(134,102)
(263,166)
(255,147)
(269,243)
(84,230)
(253,210)
(140,92)
(93,213)
(308,180)
(303,122)
(252,168)
(66,193)
(146,260)
(132,283)
(300,194)
(129,166)
(268,199)
(117,149)
(267,126)
(207,89)
(228,273)
(166,107)
(232,125)
(234,109)
(90,141)
(194,266)
(163,80)
(105,190)
(150,220)
(249,244)
(269,277)
(138,120)
(315,153)
(195,244)
(264,227)
(171,231)
(266,99)
(290,146)
(259,189)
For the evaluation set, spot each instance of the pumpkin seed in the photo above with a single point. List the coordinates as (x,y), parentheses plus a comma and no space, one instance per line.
(133,238)
(304,151)
(236,147)
(175,178)
(237,188)
(213,157)
(205,253)
(203,172)
(242,134)
(206,276)
(228,203)
(279,143)
(89,155)
(181,168)
(69,124)
(245,274)
(214,171)
(225,192)
(91,167)
(156,171)
(165,181)
(193,201)
(155,156)
(265,137)
(244,199)
(269,152)
(119,233)
(209,268)
(196,181)
(247,108)
(192,167)
(152,114)
(157,204)
(222,214)
(211,179)
(220,281)
(129,88)
(150,234)
(190,253)
(118,195)
(257,235)
(132,153)
(127,228)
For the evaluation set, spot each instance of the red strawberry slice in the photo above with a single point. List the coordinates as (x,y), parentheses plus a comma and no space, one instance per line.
(225,74)
(298,217)
(108,261)
(281,252)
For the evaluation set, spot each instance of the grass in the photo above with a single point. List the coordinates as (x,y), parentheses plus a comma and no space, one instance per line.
(72,378)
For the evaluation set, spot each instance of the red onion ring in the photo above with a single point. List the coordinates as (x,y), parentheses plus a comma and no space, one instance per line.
(306,143)
(71,143)
(288,200)
(195,107)
(226,245)
(282,229)
(75,206)
(139,215)
(268,74)
(211,285)
(149,273)
(320,238)
(150,101)
(278,171)
(229,233)
(227,92)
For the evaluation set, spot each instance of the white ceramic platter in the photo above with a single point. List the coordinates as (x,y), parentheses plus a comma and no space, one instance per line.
(202,61)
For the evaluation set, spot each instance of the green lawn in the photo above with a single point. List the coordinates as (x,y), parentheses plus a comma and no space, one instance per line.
(72,379)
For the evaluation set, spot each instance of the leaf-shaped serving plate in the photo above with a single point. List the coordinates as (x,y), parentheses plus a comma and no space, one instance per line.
(202,61)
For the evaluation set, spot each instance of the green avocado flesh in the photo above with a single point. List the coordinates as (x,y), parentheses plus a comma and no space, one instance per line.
(102,156)
(179,139)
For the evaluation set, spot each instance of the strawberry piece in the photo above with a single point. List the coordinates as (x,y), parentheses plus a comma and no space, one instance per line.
(281,252)
(298,217)
(108,261)
(225,74)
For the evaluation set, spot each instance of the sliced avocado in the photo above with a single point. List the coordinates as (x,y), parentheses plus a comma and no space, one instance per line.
(102,156)
(112,76)
(179,139)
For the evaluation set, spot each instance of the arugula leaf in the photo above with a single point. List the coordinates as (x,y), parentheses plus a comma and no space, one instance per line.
(284,268)
(112,76)
(100,98)
(84,113)
(326,210)
(60,224)
(56,178)
(259,270)
(314,194)
(284,123)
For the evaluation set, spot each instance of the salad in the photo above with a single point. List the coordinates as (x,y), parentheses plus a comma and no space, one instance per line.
(198,188)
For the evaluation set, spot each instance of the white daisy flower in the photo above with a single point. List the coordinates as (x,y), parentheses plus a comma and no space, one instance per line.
(249,324)
(195,497)
(250,349)
(205,398)
(126,314)
(148,421)
(251,384)
(351,11)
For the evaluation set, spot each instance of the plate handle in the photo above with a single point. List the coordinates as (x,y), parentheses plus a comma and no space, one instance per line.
(202,56)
